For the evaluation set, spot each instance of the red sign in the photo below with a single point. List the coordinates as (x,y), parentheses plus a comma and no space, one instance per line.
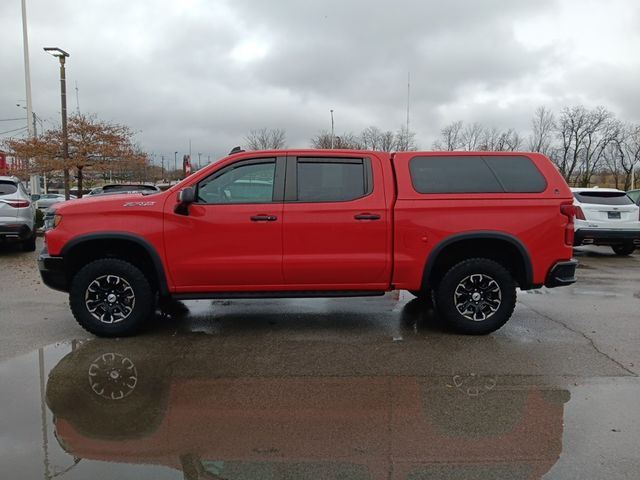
(3,164)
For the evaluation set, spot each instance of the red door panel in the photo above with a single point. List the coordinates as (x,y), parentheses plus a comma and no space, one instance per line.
(231,239)
(340,244)
(219,247)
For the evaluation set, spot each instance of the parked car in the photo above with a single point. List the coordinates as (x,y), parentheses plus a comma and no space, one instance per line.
(17,214)
(467,228)
(634,195)
(606,216)
(124,188)
(46,200)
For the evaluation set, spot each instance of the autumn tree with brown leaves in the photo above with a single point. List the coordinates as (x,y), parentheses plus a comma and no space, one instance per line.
(93,143)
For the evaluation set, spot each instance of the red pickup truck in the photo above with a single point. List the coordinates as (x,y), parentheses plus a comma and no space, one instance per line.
(462,228)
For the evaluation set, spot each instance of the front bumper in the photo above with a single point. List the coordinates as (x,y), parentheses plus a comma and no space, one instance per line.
(562,274)
(601,236)
(52,271)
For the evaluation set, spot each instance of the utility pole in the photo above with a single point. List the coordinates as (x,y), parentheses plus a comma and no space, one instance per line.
(162,167)
(332,131)
(175,162)
(199,160)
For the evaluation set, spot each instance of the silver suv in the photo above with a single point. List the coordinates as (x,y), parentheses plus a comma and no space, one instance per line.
(17,214)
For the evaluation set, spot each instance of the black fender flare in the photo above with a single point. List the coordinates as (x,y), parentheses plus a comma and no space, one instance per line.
(149,248)
(477,235)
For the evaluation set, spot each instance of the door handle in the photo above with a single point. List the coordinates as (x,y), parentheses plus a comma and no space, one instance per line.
(367,216)
(264,218)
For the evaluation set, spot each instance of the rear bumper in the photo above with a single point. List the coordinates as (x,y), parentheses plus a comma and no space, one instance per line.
(562,274)
(52,271)
(601,236)
(15,230)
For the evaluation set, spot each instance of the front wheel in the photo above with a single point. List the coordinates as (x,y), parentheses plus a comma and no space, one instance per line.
(476,296)
(111,297)
(424,295)
(623,250)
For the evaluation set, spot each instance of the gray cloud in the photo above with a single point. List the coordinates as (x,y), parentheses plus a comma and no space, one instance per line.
(211,71)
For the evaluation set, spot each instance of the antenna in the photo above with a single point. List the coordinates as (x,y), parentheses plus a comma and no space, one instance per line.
(408,97)
(77,99)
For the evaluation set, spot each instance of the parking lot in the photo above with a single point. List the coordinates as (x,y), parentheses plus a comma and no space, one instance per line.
(326,388)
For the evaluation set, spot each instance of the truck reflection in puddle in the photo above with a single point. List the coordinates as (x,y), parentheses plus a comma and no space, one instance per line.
(117,402)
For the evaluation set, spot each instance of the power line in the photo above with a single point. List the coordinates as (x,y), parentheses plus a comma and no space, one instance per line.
(14,130)
(12,119)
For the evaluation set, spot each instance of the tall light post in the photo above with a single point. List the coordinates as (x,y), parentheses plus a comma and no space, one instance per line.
(62,55)
(332,137)
(27,71)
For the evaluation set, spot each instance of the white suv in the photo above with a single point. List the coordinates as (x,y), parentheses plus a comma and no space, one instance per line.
(17,214)
(606,216)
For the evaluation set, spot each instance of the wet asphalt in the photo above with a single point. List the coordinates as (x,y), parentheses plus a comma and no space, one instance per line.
(373,388)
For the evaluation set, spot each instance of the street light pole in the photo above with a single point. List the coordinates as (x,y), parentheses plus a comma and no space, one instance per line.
(27,70)
(62,55)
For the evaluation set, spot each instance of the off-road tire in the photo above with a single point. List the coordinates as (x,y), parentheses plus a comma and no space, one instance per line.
(623,250)
(457,277)
(137,283)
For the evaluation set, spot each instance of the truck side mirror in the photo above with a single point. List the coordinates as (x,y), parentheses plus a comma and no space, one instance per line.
(186,197)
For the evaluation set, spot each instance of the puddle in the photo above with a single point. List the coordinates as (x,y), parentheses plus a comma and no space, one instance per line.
(163,408)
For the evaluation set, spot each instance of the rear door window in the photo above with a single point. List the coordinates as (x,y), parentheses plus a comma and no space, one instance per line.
(7,188)
(333,179)
(476,174)
(603,198)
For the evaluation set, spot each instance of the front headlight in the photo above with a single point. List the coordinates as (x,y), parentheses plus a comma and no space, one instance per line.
(51,220)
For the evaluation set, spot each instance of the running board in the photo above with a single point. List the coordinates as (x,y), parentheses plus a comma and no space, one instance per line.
(282,294)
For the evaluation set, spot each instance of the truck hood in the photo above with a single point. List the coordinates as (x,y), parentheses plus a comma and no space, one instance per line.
(102,203)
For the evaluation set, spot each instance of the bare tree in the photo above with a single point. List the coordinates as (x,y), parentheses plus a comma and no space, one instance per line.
(387,141)
(543,125)
(495,140)
(405,140)
(602,129)
(371,138)
(471,136)
(572,129)
(266,139)
(622,155)
(347,141)
(450,137)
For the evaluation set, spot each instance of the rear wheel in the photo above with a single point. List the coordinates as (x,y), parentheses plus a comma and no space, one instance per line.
(476,296)
(111,298)
(623,250)
(29,245)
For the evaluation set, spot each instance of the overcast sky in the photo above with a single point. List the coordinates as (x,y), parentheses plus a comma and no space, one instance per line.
(210,71)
